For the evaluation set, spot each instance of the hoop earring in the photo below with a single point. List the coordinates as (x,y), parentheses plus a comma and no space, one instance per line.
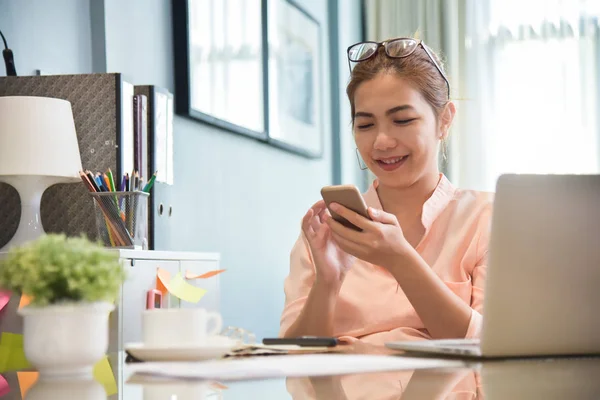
(361,165)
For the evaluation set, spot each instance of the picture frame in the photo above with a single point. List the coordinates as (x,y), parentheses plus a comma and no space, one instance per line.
(295,123)
(220,60)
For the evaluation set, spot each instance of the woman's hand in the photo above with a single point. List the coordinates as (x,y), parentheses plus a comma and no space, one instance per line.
(381,241)
(331,262)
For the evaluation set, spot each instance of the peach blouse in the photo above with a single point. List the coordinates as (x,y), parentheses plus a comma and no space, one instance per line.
(371,306)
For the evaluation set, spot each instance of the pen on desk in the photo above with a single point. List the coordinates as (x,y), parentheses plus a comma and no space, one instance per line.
(150,183)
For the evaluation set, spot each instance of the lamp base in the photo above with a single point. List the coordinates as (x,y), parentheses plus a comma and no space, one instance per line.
(30,190)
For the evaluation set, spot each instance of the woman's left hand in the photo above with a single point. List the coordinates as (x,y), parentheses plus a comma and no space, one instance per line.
(381,241)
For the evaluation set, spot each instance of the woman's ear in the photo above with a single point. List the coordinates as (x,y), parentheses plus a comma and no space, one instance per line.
(446,119)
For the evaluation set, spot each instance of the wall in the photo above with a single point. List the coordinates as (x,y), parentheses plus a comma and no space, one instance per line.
(231,195)
(52,36)
(350,32)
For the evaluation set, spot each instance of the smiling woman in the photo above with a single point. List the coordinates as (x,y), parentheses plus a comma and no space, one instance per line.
(417,268)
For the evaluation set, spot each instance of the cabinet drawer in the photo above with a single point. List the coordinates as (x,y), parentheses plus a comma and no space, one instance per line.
(211,300)
(141,277)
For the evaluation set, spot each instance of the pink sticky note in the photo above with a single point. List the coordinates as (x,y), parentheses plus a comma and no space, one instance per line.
(4,386)
(4,298)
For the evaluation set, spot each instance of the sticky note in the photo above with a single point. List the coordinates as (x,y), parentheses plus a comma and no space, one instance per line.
(25,300)
(162,280)
(11,340)
(4,387)
(103,374)
(4,356)
(12,355)
(209,274)
(26,381)
(4,298)
(178,287)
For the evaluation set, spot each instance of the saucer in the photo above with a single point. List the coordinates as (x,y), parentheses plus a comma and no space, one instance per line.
(214,347)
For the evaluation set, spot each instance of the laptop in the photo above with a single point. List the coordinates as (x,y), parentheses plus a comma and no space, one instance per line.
(542,290)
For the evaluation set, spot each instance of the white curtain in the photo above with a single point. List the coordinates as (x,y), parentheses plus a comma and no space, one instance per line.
(525,80)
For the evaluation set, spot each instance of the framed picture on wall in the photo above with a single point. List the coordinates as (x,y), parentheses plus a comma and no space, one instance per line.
(220,58)
(294,79)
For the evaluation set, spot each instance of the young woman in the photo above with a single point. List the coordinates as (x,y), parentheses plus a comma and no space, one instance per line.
(417,269)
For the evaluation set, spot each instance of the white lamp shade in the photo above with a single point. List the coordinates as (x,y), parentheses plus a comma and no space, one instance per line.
(37,137)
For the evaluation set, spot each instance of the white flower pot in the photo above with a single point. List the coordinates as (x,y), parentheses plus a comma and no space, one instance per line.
(66,340)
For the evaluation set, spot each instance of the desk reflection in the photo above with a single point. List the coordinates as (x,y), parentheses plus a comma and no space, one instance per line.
(406,385)
(541,379)
(519,379)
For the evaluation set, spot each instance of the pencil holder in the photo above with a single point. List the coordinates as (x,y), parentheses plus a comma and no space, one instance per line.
(122,218)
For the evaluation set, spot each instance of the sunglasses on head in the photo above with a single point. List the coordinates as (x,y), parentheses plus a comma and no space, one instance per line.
(395,48)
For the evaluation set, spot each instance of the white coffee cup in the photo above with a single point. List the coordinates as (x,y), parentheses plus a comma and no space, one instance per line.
(168,327)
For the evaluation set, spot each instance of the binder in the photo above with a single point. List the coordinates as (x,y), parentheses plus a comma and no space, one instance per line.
(159,140)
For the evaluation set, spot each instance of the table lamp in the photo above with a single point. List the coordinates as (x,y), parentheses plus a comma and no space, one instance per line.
(38,148)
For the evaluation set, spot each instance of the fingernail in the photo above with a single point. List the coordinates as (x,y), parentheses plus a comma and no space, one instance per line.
(374,211)
(334,206)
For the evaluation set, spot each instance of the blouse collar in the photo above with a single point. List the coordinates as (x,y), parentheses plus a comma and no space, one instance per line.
(442,195)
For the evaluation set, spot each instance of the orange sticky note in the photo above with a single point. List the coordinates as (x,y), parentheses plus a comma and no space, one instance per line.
(209,274)
(26,381)
(162,280)
(25,300)
(218,385)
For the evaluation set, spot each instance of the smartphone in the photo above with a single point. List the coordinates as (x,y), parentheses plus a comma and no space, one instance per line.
(304,341)
(350,197)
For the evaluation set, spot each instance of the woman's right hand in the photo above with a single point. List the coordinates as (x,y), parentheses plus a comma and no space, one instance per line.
(331,262)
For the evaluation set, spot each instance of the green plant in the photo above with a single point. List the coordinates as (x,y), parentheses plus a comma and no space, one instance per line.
(56,269)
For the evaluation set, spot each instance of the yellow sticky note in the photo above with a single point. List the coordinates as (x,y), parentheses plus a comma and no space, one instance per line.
(180,288)
(103,374)
(12,355)
(17,360)
(11,340)
(26,381)
(4,356)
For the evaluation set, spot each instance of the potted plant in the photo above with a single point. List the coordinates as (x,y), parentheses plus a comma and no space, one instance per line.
(73,284)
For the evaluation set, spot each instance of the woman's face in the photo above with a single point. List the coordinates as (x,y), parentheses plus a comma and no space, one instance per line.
(396,130)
